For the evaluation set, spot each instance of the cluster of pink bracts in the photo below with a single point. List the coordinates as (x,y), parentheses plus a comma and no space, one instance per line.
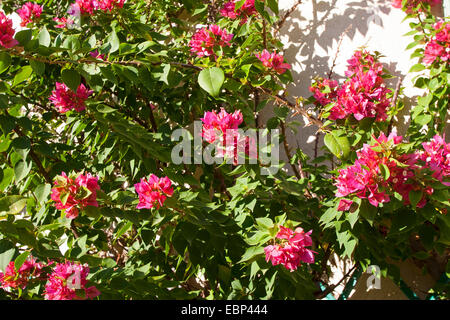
(438,48)
(362,95)
(222,129)
(57,286)
(291,250)
(7,32)
(273,61)
(244,12)
(153,192)
(365,179)
(75,192)
(13,278)
(205,40)
(30,12)
(89,6)
(411,4)
(64,99)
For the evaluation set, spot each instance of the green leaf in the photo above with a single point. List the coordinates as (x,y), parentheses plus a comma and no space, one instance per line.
(19,261)
(368,211)
(22,75)
(22,146)
(12,204)
(42,191)
(338,144)
(385,171)
(71,78)
(415,196)
(7,252)
(44,37)
(21,170)
(273,5)
(239,4)
(124,229)
(259,6)
(113,41)
(417,67)
(8,177)
(352,217)
(211,80)
(251,253)
(24,36)
(264,223)
(105,109)
(38,67)
(5,61)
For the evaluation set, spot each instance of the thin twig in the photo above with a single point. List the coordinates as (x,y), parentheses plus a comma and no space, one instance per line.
(394,102)
(323,294)
(286,149)
(337,51)
(280,23)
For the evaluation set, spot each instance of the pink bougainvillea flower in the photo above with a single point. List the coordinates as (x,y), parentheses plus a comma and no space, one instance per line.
(412,4)
(109,5)
(30,12)
(438,48)
(68,282)
(324,91)
(97,55)
(365,177)
(83,7)
(216,124)
(362,95)
(245,11)
(205,40)
(75,192)
(13,278)
(273,61)
(291,251)
(7,32)
(153,192)
(344,205)
(65,99)
(63,22)
(222,129)
(436,156)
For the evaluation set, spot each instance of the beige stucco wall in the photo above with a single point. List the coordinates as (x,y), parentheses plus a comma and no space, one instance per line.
(311,36)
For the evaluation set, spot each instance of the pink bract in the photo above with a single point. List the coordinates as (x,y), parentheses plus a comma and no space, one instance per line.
(29,270)
(438,48)
(362,95)
(247,10)
(411,4)
(222,128)
(436,156)
(205,40)
(7,32)
(97,55)
(70,193)
(273,61)
(153,192)
(30,12)
(64,99)
(58,288)
(291,251)
(344,205)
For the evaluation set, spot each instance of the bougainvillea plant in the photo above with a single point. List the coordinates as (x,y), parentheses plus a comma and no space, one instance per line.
(95,204)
